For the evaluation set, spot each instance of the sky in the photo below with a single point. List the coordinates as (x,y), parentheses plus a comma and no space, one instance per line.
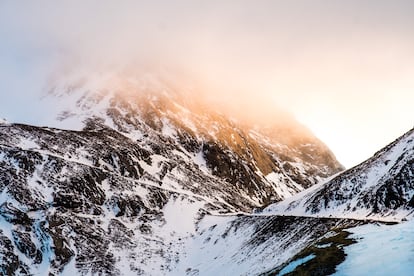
(342,68)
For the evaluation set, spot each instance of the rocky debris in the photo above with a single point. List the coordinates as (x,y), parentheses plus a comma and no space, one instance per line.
(14,215)
(10,263)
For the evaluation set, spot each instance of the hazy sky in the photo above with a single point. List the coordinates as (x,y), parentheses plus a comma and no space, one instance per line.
(343,68)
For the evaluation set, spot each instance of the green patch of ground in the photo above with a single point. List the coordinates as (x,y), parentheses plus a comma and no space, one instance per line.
(329,252)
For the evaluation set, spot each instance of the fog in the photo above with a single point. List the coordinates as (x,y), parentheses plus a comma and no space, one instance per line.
(343,68)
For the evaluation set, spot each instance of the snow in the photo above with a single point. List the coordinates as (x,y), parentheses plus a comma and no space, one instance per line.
(279,185)
(381,250)
(45,242)
(28,144)
(167,129)
(154,168)
(133,134)
(293,265)
(323,245)
(70,269)
(199,160)
(180,216)
(6,228)
(386,161)
(222,247)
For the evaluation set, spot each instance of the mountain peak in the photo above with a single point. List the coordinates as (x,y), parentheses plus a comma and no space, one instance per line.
(124,161)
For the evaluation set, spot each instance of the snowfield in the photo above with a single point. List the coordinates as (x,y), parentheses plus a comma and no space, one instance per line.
(380,250)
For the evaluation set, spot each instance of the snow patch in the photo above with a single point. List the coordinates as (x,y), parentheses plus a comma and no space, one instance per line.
(380,250)
(180,216)
(199,160)
(28,144)
(280,186)
(167,129)
(293,265)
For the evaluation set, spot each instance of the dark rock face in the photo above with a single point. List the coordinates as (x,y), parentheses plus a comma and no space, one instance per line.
(24,244)
(233,170)
(14,215)
(395,191)
(10,264)
(58,230)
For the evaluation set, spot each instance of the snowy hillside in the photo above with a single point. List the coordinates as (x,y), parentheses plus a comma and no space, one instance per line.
(133,180)
(380,188)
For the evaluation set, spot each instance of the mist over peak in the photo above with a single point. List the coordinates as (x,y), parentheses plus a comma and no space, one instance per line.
(146,82)
(335,66)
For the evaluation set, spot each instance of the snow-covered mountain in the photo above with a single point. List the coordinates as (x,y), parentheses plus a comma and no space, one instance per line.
(381,188)
(161,116)
(137,179)
(293,232)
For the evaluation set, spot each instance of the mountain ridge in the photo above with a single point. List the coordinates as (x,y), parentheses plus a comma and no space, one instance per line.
(382,186)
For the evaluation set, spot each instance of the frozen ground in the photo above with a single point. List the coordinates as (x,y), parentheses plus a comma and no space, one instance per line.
(293,265)
(381,250)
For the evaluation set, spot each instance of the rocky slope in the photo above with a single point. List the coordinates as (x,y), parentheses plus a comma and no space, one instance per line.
(381,187)
(266,164)
(132,188)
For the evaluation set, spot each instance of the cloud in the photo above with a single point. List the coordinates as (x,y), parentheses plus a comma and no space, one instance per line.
(242,45)
(331,63)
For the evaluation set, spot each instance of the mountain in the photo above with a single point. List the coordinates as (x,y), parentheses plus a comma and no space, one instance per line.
(279,159)
(139,177)
(380,188)
(135,176)
(310,231)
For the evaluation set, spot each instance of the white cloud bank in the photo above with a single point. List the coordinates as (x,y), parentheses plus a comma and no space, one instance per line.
(344,68)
